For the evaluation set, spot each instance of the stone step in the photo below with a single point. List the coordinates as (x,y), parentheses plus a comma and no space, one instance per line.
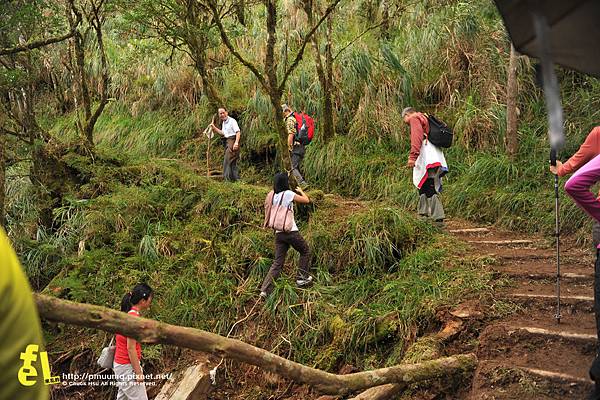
(550,297)
(580,323)
(469,230)
(503,242)
(503,381)
(554,333)
(569,353)
(578,291)
(564,276)
(541,267)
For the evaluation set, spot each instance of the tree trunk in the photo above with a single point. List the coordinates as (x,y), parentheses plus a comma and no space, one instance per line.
(40,166)
(200,63)
(433,343)
(240,11)
(385,19)
(96,22)
(150,331)
(328,126)
(511,105)
(325,75)
(196,20)
(86,126)
(282,148)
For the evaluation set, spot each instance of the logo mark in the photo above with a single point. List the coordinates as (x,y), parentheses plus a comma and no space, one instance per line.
(28,373)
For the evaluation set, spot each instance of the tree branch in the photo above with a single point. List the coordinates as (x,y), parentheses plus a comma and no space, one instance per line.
(34,45)
(232,49)
(307,38)
(21,136)
(150,331)
(12,133)
(363,33)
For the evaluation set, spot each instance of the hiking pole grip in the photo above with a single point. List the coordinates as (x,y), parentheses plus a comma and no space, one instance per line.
(553,157)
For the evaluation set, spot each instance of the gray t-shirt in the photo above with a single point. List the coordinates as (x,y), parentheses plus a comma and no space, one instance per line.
(288,201)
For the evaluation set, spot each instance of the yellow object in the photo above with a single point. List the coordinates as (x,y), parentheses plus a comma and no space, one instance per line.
(19,329)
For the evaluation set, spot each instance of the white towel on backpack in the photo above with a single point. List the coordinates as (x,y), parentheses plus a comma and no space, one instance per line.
(430,158)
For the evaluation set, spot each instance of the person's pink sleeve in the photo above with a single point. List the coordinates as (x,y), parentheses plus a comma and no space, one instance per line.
(578,187)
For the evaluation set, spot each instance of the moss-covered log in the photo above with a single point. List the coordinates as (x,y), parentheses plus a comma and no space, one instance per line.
(151,331)
(426,348)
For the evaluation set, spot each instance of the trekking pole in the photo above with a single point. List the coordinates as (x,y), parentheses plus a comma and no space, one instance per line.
(557,234)
(208,133)
(555,121)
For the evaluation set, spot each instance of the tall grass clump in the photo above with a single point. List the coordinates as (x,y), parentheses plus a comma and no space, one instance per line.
(380,273)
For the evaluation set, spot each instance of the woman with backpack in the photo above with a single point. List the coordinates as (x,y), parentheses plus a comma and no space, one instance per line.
(279,215)
(128,352)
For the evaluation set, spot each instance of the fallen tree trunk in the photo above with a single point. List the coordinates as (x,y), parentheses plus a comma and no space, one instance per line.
(434,342)
(153,332)
(380,392)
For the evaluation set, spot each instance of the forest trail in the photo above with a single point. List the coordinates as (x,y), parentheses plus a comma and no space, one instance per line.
(526,354)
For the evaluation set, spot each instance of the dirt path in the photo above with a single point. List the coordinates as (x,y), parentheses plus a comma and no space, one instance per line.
(526,354)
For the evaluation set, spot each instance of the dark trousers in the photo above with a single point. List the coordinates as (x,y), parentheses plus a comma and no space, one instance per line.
(283,241)
(595,368)
(297,156)
(428,188)
(230,168)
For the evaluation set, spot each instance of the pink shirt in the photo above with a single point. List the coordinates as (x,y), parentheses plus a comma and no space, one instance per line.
(578,187)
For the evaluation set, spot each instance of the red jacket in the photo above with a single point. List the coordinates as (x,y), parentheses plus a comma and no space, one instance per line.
(588,150)
(419,128)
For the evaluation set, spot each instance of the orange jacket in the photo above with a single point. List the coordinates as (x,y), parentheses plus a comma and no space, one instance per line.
(419,128)
(588,150)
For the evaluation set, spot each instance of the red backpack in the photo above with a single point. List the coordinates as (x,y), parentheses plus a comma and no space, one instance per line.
(305,128)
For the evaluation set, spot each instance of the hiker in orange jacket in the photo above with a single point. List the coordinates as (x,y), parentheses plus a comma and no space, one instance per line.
(428,164)
(588,150)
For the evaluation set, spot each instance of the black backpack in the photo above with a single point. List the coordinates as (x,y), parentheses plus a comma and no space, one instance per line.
(440,134)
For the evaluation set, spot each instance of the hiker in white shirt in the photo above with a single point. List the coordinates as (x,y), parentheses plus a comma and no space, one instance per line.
(231,132)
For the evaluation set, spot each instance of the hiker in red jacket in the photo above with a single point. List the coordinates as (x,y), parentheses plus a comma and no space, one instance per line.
(428,164)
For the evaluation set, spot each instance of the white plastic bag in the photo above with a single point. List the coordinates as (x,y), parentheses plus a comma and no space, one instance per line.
(107,357)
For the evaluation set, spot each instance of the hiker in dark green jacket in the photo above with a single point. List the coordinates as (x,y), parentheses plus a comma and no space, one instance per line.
(296,148)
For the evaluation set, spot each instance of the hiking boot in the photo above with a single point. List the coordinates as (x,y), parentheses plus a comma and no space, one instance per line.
(302,282)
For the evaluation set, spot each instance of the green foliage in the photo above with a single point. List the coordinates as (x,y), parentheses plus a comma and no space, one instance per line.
(481,186)
(141,209)
(199,244)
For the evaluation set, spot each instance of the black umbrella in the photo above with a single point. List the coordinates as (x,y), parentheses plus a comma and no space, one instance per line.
(574,31)
(565,32)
